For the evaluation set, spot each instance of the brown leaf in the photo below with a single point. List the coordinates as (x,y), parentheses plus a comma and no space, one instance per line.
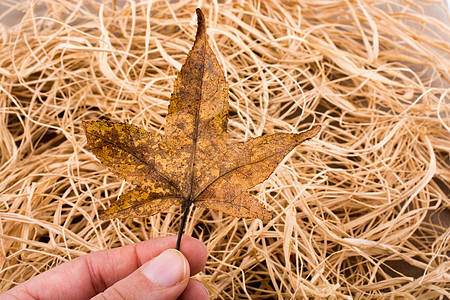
(192,162)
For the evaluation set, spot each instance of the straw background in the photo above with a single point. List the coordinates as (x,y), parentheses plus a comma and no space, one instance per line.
(360,211)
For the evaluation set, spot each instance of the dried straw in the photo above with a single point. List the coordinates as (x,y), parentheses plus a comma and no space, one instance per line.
(362,211)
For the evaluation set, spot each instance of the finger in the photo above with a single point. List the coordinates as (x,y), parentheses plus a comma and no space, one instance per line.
(195,290)
(89,275)
(164,277)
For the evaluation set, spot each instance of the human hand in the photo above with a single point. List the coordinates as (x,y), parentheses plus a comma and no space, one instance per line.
(148,270)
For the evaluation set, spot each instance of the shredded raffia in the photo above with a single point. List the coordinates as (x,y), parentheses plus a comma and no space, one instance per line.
(360,211)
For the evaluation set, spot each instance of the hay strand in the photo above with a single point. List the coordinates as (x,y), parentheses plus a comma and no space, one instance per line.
(362,211)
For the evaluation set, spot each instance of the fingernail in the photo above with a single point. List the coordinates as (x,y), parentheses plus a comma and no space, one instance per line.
(167,269)
(206,290)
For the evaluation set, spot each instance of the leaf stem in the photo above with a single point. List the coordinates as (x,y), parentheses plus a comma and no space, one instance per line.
(183,222)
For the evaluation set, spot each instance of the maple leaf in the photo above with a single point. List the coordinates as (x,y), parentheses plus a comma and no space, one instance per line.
(192,162)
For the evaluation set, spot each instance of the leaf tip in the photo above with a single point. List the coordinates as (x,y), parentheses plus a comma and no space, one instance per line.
(308,134)
(110,213)
(103,215)
(201,26)
(88,125)
(315,130)
(267,216)
(85,124)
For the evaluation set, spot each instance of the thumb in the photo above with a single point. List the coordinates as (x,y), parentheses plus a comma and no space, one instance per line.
(164,277)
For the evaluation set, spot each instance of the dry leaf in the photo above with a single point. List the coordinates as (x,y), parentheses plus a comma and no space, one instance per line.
(192,162)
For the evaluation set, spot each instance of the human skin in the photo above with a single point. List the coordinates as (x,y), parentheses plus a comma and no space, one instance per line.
(147,270)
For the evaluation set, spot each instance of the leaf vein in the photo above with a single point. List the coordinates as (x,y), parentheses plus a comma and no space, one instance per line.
(152,166)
